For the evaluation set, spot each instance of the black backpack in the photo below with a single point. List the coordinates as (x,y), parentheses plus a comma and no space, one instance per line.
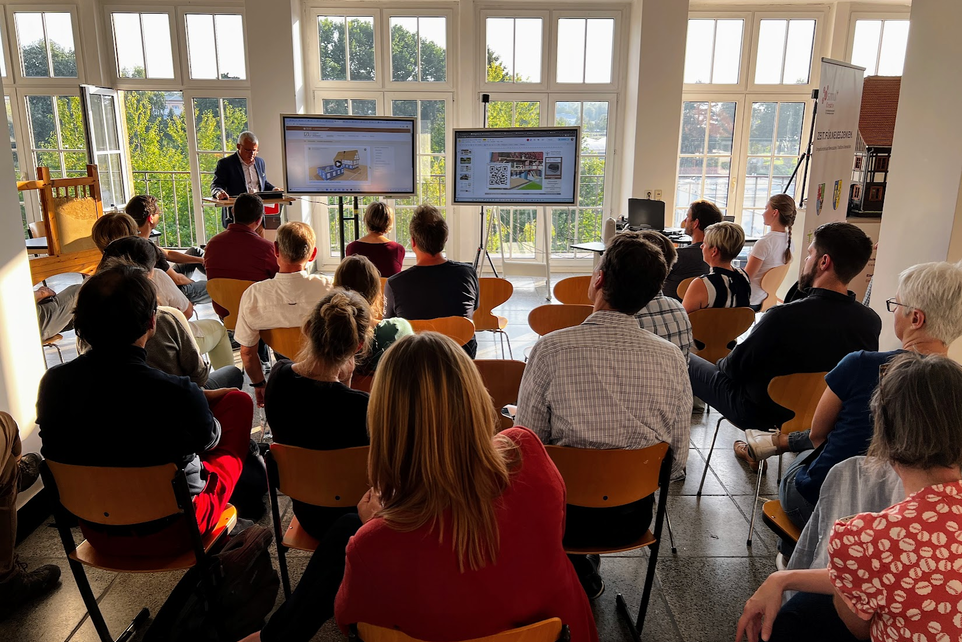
(245,587)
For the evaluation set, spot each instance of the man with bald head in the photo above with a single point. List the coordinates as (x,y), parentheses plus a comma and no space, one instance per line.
(241,173)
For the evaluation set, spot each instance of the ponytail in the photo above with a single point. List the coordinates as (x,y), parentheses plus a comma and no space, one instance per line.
(785,206)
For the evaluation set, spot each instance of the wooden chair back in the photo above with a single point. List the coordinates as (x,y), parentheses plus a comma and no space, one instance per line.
(799,393)
(544,631)
(37,229)
(770,282)
(285,341)
(573,289)
(683,286)
(383,300)
(502,378)
(460,329)
(717,329)
(227,294)
(548,318)
(116,496)
(492,293)
(605,478)
(333,478)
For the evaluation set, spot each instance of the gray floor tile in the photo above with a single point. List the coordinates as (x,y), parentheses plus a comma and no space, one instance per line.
(626,575)
(694,469)
(709,526)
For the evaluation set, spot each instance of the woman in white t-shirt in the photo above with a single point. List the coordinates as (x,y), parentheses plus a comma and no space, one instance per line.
(773,249)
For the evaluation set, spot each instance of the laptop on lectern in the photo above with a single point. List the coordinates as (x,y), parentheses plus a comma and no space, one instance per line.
(646,214)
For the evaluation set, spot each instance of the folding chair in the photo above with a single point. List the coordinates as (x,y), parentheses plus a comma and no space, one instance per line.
(545,631)
(122,497)
(227,294)
(52,343)
(548,318)
(606,478)
(573,290)
(332,478)
(502,378)
(460,329)
(775,518)
(493,292)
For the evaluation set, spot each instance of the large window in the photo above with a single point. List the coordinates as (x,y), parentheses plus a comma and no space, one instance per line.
(217,124)
(418,49)
(142,45)
(513,50)
(784,52)
(774,143)
(215,46)
(57,134)
(879,46)
(705,158)
(45,41)
(713,51)
(346,48)
(585,48)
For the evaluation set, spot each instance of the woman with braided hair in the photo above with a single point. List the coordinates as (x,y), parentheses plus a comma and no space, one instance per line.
(773,249)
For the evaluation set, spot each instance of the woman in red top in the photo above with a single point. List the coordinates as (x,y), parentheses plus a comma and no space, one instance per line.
(897,574)
(386,255)
(463,526)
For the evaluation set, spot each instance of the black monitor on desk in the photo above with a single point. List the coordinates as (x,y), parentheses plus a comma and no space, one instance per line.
(646,214)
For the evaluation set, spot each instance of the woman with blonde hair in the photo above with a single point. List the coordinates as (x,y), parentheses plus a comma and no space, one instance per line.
(337,328)
(461,534)
(357,273)
(386,255)
(773,249)
(724,286)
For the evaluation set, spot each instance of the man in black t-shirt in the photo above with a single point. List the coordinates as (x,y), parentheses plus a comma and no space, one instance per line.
(434,287)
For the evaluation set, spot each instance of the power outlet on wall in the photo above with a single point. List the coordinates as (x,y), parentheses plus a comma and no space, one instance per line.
(653,194)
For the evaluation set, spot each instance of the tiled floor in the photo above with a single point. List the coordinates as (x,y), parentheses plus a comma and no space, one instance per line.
(698,593)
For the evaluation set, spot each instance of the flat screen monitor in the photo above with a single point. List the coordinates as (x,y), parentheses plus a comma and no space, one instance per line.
(348,155)
(646,214)
(517,166)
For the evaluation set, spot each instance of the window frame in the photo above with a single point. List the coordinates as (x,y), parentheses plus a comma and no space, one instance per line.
(320,94)
(175,49)
(619,17)
(821,19)
(748,41)
(11,28)
(546,43)
(871,15)
(6,49)
(450,53)
(312,50)
(186,82)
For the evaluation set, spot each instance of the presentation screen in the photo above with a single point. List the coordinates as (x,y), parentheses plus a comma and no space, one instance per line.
(348,155)
(518,166)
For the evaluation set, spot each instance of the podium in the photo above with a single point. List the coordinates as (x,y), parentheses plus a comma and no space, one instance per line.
(272,221)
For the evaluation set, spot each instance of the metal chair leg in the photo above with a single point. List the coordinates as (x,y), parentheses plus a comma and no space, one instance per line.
(708,459)
(758,490)
(508,339)
(671,535)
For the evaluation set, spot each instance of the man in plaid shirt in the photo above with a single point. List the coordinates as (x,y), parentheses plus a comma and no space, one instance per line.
(607,383)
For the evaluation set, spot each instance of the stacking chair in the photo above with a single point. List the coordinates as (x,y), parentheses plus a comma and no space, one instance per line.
(545,631)
(332,478)
(683,286)
(574,289)
(461,329)
(548,318)
(606,478)
(227,294)
(493,292)
(52,343)
(770,282)
(285,341)
(799,393)
(775,518)
(121,497)
(502,378)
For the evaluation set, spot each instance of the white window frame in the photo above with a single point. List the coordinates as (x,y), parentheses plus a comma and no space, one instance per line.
(450,52)
(312,50)
(617,51)
(344,94)
(5,46)
(11,28)
(223,85)
(820,19)
(860,15)
(546,51)
(175,49)
(748,40)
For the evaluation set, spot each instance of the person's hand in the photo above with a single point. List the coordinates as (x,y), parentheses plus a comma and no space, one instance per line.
(180,279)
(213,396)
(259,397)
(221,195)
(42,293)
(760,610)
(369,506)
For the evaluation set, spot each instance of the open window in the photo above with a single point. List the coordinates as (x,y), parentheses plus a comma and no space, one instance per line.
(101,109)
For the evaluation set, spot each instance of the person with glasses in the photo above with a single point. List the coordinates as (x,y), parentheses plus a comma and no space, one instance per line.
(240,173)
(927,314)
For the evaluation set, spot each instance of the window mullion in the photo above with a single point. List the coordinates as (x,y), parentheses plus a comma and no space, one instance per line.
(711,64)
(143,47)
(46,46)
(781,76)
(347,51)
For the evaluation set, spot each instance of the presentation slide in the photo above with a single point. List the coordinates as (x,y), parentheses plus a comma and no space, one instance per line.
(517,166)
(344,155)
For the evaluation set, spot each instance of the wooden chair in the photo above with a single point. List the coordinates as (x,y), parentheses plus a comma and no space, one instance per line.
(775,518)
(52,343)
(799,393)
(607,478)
(227,294)
(121,497)
(770,282)
(285,341)
(461,329)
(383,301)
(493,292)
(683,286)
(545,631)
(332,478)
(502,378)
(573,290)
(548,318)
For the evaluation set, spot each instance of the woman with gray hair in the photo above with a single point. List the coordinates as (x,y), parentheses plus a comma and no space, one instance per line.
(895,574)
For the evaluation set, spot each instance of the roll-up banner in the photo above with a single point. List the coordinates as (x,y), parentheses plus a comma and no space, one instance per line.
(833,145)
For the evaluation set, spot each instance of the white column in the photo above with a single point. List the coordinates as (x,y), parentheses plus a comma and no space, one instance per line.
(653,96)
(922,216)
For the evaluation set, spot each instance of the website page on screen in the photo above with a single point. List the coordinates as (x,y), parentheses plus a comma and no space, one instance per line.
(533,166)
(349,155)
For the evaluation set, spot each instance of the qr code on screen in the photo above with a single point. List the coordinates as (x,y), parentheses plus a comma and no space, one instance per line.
(498,174)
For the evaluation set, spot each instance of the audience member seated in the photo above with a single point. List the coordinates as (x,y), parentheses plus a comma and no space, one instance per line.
(386,255)
(173,348)
(663,315)
(357,273)
(145,210)
(927,314)
(55,309)
(17,473)
(338,325)
(141,416)
(239,252)
(690,262)
(773,249)
(808,335)
(891,574)
(461,533)
(434,287)
(284,301)
(724,286)
(609,384)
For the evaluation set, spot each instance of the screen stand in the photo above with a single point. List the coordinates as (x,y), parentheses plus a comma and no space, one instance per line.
(483,247)
(343,219)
